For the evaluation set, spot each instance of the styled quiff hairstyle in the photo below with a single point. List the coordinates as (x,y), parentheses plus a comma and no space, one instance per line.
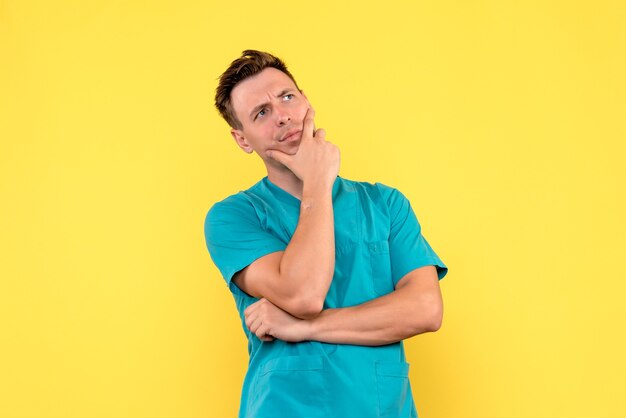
(250,63)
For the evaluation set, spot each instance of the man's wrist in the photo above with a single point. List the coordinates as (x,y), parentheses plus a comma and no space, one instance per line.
(311,327)
(313,198)
(317,188)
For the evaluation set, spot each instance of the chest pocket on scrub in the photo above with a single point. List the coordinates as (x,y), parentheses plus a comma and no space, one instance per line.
(381,267)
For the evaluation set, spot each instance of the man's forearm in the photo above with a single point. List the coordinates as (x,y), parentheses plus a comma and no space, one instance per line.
(385,320)
(308,263)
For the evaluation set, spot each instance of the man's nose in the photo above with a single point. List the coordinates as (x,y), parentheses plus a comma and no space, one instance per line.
(283,117)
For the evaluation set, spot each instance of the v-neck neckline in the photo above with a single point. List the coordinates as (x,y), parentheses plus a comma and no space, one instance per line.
(288,198)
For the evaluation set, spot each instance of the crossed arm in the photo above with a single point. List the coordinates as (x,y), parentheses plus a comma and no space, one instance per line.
(414,307)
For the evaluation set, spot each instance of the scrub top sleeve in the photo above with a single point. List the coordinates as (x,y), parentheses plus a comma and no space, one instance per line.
(408,249)
(235,238)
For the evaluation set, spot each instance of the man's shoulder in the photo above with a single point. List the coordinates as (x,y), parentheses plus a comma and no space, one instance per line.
(373,190)
(243,200)
(387,199)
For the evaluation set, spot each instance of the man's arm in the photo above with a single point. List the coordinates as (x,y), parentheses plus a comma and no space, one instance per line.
(297,279)
(414,307)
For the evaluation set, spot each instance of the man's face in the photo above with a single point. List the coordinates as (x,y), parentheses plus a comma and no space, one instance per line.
(270,108)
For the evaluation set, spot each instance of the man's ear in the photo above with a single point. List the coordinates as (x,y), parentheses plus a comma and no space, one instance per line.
(241,140)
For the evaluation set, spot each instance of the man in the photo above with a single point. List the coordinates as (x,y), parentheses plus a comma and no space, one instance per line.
(329,275)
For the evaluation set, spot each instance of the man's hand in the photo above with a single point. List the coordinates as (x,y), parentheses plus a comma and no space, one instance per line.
(316,159)
(268,321)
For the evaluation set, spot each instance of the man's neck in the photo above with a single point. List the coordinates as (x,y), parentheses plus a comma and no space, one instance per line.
(286,180)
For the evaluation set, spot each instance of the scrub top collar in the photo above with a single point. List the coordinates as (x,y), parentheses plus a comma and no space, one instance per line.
(286,197)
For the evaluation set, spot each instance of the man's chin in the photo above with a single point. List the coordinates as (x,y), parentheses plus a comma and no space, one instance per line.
(291,149)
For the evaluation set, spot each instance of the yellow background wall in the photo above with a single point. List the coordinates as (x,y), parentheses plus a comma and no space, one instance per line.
(502,121)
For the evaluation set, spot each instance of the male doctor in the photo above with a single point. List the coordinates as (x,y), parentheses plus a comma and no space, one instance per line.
(329,275)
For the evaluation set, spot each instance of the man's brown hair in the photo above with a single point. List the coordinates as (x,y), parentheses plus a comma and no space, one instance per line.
(250,63)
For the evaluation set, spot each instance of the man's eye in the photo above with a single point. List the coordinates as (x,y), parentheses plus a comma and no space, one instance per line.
(290,96)
(261,113)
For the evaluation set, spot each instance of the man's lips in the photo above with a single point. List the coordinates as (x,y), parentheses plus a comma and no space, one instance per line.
(290,135)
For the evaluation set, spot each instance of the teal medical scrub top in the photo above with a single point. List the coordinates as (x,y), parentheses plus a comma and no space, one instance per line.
(378,240)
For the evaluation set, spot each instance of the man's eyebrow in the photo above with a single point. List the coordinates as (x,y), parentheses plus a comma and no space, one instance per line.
(262,105)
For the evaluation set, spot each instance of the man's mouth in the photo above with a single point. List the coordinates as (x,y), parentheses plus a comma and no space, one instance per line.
(290,135)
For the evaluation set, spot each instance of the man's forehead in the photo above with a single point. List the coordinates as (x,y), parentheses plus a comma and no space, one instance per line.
(259,88)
